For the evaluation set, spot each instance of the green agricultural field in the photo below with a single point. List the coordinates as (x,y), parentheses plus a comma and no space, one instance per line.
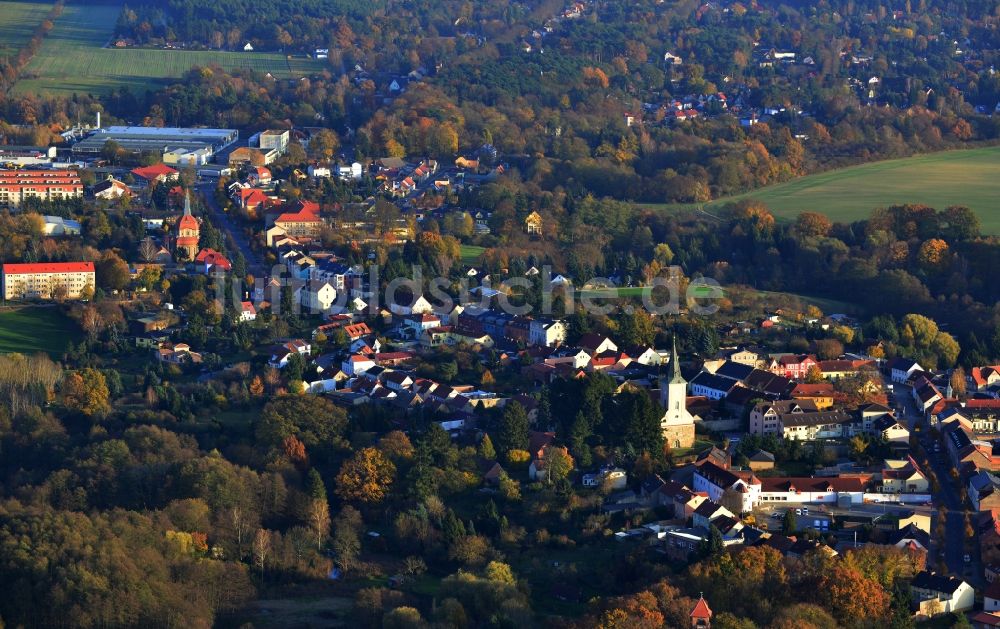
(18,21)
(36,329)
(966,177)
(73,59)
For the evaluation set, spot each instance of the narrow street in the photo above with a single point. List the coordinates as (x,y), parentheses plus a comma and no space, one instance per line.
(954,550)
(235,235)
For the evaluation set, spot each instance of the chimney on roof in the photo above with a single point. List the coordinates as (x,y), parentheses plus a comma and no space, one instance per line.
(98,120)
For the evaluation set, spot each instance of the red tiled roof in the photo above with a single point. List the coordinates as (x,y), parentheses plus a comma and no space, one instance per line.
(701,610)
(302,216)
(150,173)
(213,258)
(983,404)
(188,222)
(48,267)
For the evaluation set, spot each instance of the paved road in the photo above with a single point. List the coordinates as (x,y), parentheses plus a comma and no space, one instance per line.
(954,550)
(255,264)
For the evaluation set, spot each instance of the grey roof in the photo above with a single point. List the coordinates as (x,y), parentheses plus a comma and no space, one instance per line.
(675,365)
(713,381)
(936,582)
(734,370)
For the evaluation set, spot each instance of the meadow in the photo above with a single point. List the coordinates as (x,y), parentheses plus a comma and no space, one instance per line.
(18,21)
(34,329)
(965,177)
(73,59)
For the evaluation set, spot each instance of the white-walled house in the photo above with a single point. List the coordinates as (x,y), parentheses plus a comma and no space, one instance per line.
(317,296)
(357,364)
(247,311)
(716,481)
(902,368)
(939,594)
(547,333)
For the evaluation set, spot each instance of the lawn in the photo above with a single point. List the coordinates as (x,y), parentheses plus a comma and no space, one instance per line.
(34,329)
(18,21)
(965,177)
(470,254)
(73,59)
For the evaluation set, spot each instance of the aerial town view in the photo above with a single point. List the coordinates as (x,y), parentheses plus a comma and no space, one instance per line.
(448,314)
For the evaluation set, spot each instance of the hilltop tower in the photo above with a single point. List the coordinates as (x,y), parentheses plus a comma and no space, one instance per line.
(677,423)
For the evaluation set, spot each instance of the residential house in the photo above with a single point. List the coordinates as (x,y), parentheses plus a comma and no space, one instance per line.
(597,343)
(725,487)
(155,174)
(211,261)
(417,305)
(936,594)
(901,369)
(547,332)
(538,468)
(533,224)
(711,386)
(317,296)
(302,220)
(891,429)
(903,476)
(111,189)
(259,176)
(281,354)
(252,156)
(983,378)
(357,364)
(177,354)
(821,394)
(911,537)
(984,491)
(983,414)
(797,419)
(247,312)
(991,597)
(613,477)
(839,369)
(792,366)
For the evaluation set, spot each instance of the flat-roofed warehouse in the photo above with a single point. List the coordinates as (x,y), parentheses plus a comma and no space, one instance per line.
(176,142)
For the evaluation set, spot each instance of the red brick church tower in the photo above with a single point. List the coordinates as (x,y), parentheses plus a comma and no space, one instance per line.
(188,232)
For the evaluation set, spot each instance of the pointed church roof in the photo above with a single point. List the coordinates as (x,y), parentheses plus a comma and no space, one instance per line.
(187,221)
(675,365)
(701,610)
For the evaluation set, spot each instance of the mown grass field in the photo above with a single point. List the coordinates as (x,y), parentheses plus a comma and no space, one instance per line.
(35,329)
(471,253)
(18,21)
(72,59)
(965,177)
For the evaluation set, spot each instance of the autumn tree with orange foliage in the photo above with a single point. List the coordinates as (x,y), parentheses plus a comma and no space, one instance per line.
(934,255)
(595,77)
(365,477)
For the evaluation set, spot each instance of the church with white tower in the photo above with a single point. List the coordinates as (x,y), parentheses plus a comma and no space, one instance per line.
(677,423)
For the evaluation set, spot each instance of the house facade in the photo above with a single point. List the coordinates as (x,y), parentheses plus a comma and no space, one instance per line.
(47,280)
